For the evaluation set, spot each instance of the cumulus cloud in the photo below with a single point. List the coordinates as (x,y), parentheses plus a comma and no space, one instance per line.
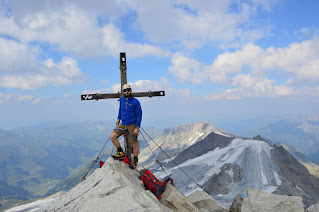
(298,60)
(16,57)
(88,29)
(144,86)
(63,73)
(185,69)
(246,86)
(246,71)
(113,40)
(75,28)
(193,23)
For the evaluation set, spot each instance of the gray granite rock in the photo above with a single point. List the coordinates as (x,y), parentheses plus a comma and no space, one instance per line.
(236,205)
(176,201)
(204,202)
(313,208)
(262,201)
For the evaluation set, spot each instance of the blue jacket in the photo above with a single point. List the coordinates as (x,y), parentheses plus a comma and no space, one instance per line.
(130,111)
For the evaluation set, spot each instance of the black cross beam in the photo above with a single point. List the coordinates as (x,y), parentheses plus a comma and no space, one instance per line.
(97,96)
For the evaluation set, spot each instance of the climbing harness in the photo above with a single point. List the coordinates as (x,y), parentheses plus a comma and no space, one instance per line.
(124,131)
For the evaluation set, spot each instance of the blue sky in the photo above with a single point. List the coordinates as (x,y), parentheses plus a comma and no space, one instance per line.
(219,61)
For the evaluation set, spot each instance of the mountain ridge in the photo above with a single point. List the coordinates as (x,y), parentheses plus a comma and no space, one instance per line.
(228,170)
(189,136)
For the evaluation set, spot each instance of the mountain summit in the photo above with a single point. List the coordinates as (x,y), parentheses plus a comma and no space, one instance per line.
(115,187)
(107,189)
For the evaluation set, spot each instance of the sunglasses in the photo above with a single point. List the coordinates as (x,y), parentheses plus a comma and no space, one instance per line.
(127,90)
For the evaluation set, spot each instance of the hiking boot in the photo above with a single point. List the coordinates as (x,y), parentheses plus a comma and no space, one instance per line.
(119,156)
(135,162)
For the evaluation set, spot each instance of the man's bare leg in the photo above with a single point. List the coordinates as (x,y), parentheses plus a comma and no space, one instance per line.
(120,153)
(114,140)
(135,149)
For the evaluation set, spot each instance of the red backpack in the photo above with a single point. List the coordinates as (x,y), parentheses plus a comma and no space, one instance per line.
(153,184)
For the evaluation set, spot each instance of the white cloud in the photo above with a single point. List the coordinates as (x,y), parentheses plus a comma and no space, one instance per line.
(24,97)
(144,86)
(256,86)
(5,97)
(246,86)
(63,73)
(13,98)
(298,60)
(246,71)
(193,23)
(229,63)
(185,69)
(88,29)
(73,28)
(16,57)
(107,9)
(36,101)
(113,41)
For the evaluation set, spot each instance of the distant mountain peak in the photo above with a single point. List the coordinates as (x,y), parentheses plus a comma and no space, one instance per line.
(177,139)
(196,126)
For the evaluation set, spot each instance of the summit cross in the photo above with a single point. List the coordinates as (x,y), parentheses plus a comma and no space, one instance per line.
(97,96)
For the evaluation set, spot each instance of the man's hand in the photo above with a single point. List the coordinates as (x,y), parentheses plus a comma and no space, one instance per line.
(118,121)
(136,130)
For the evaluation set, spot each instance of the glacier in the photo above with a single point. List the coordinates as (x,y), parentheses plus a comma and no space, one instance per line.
(252,156)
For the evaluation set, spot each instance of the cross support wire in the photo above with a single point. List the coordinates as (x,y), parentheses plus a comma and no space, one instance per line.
(97,96)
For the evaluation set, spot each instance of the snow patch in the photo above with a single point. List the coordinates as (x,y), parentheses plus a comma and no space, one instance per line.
(192,140)
(270,189)
(278,181)
(264,179)
(230,173)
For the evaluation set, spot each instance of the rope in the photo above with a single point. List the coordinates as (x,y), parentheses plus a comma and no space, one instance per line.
(154,154)
(173,161)
(83,178)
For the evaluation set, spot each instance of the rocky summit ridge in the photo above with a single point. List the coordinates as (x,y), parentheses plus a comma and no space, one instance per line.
(116,187)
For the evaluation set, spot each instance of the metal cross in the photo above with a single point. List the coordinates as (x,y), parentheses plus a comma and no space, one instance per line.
(97,96)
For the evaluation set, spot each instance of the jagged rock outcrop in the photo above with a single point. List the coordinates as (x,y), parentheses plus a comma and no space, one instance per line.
(114,187)
(262,201)
(313,208)
(236,205)
(204,202)
(298,181)
(218,184)
(175,200)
